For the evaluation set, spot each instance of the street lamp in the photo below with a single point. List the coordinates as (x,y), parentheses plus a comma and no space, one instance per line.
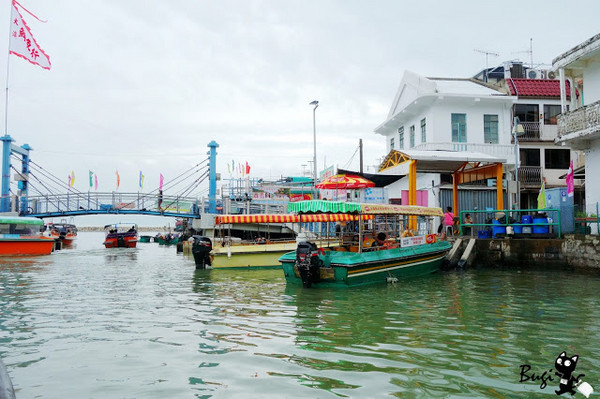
(316,104)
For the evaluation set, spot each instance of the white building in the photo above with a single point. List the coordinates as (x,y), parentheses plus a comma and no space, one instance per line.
(579,124)
(463,115)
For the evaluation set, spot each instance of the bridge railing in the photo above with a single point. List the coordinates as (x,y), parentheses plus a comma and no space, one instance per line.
(114,201)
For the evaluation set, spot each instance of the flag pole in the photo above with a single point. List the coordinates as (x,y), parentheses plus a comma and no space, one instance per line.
(7,74)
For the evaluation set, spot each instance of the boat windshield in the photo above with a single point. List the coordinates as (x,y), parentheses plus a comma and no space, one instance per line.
(17,228)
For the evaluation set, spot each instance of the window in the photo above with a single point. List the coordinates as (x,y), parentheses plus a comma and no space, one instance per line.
(527,112)
(423,131)
(392,143)
(490,129)
(529,157)
(412,136)
(557,159)
(401,134)
(550,113)
(459,128)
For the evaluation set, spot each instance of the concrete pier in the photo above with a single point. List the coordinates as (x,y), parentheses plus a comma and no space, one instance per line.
(570,251)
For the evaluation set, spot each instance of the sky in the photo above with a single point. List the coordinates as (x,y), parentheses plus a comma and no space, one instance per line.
(146,85)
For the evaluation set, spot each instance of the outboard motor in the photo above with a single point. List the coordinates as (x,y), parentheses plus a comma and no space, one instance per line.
(308,263)
(201,250)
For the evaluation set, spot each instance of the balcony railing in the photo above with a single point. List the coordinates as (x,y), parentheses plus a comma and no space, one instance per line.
(530,175)
(532,131)
(581,119)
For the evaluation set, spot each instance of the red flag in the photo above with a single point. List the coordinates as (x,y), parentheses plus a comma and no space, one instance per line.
(118,180)
(22,43)
(247,168)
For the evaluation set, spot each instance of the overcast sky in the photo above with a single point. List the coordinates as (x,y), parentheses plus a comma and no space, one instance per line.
(146,85)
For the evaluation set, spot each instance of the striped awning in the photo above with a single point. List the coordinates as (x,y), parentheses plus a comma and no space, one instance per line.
(288,218)
(323,206)
(333,207)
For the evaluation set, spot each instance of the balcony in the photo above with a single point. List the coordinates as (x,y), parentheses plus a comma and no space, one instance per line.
(530,176)
(506,152)
(585,120)
(532,131)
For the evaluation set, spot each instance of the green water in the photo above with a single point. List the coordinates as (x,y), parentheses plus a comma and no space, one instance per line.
(89,322)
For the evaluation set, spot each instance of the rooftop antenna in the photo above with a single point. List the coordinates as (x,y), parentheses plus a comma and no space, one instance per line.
(530,52)
(487,54)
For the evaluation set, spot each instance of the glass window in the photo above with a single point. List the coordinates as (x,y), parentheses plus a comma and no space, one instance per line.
(459,128)
(392,143)
(527,112)
(412,136)
(529,157)
(490,129)
(423,131)
(557,159)
(550,113)
(401,134)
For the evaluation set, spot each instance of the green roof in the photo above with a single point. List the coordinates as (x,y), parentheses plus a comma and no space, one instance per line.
(20,220)
(323,206)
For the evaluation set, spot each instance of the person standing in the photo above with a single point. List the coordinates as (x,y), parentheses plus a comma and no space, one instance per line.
(448,221)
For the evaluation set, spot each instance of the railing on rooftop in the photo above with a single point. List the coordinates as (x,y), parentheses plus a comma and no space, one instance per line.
(497,150)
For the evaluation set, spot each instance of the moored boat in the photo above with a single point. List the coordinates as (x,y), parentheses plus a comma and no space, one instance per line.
(123,235)
(22,236)
(380,250)
(268,237)
(145,238)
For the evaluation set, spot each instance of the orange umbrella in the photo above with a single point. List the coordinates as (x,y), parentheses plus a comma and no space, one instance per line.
(342,181)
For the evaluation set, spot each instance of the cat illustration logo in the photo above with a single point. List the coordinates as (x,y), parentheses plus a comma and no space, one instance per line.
(565,366)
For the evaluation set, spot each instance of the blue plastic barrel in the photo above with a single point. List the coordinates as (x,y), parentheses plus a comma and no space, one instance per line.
(540,225)
(498,229)
(517,228)
(526,219)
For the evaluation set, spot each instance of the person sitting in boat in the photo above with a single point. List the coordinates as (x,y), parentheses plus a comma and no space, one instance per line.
(132,229)
(380,239)
(261,240)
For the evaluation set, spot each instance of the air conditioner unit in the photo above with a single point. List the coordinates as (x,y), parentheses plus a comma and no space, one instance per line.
(534,74)
(551,75)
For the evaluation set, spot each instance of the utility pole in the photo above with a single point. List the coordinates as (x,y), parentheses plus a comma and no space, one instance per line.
(361,155)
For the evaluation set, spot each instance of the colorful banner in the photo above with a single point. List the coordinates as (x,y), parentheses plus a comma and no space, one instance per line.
(118,180)
(21,41)
(91,176)
(570,181)
(96,182)
(72,178)
(141,180)
(160,183)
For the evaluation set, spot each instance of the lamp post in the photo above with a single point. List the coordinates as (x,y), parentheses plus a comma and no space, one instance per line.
(316,104)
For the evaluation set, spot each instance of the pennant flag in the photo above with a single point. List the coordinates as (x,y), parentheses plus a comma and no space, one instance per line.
(541,199)
(247,168)
(72,178)
(118,180)
(160,183)
(570,181)
(96,182)
(22,42)
(228,168)
(232,165)
(141,180)
(69,181)
(91,175)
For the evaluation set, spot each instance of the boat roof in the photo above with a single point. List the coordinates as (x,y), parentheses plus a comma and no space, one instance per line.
(320,206)
(20,220)
(120,224)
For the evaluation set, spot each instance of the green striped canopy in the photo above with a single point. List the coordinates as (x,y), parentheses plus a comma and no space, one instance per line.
(323,206)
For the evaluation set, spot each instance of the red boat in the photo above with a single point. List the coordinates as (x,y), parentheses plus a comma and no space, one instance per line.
(65,232)
(22,236)
(123,235)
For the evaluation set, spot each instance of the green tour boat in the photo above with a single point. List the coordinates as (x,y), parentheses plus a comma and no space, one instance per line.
(387,243)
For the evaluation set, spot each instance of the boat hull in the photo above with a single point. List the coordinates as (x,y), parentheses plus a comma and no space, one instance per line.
(26,246)
(347,269)
(121,241)
(254,256)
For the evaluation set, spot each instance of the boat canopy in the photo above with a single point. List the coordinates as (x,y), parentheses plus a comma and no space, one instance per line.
(287,218)
(21,220)
(366,209)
